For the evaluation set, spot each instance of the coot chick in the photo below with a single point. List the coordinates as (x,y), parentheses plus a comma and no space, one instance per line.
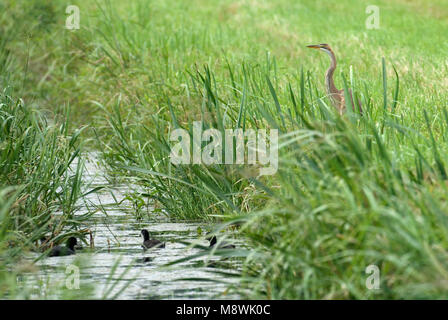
(150,243)
(222,245)
(69,249)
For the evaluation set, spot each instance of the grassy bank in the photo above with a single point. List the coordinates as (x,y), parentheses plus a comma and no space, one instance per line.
(350,191)
(38,177)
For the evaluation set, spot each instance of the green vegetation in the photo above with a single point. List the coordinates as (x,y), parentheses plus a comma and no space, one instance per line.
(37,179)
(350,191)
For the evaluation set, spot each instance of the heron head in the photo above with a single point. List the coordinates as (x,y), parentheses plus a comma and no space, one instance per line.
(323,47)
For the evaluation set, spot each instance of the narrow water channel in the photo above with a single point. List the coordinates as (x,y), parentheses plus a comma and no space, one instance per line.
(117,242)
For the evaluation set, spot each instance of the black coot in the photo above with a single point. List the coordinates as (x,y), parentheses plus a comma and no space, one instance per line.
(222,245)
(64,250)
(150,243)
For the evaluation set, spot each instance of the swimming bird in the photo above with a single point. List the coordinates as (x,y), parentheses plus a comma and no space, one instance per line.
(150,243)
(67,250)
(337,96)
(222,244)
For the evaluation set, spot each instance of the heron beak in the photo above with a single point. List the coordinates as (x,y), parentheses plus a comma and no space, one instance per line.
(314,46)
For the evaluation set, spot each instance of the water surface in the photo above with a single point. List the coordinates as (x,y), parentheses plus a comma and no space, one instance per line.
(117,242)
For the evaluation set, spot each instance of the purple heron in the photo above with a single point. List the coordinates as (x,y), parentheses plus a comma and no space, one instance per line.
(337,96)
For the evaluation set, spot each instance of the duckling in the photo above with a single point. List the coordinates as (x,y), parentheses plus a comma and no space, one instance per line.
(222,245)
(69,249)
(150,243)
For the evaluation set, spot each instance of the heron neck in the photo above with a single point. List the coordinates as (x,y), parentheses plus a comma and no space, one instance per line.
(331,88)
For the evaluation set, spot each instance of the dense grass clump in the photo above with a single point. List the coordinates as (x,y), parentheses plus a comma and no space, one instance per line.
(40,174)
(38,158)
(344,204)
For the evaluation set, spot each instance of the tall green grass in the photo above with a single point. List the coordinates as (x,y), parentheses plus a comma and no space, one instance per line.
(38,177)
(38,157)
(343,197)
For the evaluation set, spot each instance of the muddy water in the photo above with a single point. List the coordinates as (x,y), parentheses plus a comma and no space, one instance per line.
(117,242)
